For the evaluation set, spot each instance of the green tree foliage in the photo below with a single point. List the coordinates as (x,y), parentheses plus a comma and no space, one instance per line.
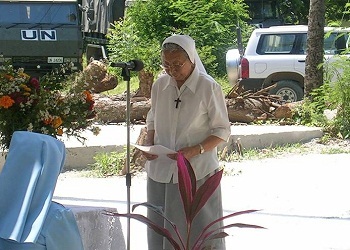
(212,23)
(125,43)
(339,96)
(296,11)
(335,10)
(333,95)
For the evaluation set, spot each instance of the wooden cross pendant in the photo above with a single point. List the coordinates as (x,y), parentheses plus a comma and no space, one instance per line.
(177,102)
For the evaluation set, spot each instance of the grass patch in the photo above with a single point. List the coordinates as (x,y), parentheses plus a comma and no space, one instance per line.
(111,164)
(335,150)
(107,164)
(257,154)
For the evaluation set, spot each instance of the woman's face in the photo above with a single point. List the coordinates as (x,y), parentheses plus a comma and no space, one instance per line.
(177,64)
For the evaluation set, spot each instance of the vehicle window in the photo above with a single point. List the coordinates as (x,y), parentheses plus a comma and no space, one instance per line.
(335,43)
(262,9)
(303,45)
(276,44)
(65,13)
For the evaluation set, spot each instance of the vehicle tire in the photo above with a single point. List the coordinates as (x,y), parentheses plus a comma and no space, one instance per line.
(289,90)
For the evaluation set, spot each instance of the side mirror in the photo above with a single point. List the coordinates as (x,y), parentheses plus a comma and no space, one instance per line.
(91,18)
(90,14)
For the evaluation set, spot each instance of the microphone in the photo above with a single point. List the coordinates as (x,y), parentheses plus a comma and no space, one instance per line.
(134,65)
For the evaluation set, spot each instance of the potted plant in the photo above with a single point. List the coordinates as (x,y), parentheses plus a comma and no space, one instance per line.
(193,200)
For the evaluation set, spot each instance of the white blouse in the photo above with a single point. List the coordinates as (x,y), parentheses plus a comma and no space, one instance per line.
(202,112)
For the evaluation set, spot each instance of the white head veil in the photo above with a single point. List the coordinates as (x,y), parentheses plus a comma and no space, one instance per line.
(188,44)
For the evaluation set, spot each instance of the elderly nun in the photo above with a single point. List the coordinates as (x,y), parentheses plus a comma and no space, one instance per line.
(188,114)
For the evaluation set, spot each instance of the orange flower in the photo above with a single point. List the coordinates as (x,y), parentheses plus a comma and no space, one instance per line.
(25,87)
(88,96)
(47,121)
(56,122)
(59,131)
(6,101)
(8,77)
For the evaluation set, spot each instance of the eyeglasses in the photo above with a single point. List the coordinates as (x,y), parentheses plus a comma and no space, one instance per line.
(174,66)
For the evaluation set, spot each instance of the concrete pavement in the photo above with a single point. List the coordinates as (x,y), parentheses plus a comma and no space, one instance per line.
(302,199)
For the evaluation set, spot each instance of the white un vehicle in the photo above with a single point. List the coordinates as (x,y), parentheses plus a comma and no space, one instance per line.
(277,55)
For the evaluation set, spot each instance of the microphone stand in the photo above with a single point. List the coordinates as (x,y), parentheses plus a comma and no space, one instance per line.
(135,65)
(126,77)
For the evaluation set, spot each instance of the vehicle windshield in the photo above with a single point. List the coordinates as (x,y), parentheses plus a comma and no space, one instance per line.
(37,13)
(263,9)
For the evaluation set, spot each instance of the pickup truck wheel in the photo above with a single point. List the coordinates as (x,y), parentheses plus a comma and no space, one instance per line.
(290,91)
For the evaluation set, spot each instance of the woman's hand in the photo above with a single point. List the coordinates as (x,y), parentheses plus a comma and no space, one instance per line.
(172,156)
(188,152)
(149,157)
(149,142)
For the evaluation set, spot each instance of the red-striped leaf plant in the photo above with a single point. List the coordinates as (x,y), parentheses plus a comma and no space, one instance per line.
(193,200)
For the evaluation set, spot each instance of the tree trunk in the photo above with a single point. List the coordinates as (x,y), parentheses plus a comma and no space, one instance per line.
(146,80)
(314,57)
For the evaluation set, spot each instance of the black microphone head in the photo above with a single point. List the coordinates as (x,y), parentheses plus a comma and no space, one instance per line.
(138,65)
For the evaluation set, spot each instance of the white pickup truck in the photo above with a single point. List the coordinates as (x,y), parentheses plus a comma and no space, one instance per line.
(277,55)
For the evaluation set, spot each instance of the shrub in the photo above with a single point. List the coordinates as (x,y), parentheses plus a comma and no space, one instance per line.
(108,164)
(54,104)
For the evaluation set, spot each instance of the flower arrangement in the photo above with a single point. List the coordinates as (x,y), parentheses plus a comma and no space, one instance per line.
(193,200)
(53,104)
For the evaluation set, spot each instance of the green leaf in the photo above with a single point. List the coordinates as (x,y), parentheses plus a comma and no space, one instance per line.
(205,234)
(160,230)
(185,185)
(204,192)
(160,212)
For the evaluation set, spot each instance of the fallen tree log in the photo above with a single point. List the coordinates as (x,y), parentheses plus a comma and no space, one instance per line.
(113,109)
(248,106)
(244,106)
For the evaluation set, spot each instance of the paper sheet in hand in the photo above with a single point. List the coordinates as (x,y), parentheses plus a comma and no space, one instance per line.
(155,149)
